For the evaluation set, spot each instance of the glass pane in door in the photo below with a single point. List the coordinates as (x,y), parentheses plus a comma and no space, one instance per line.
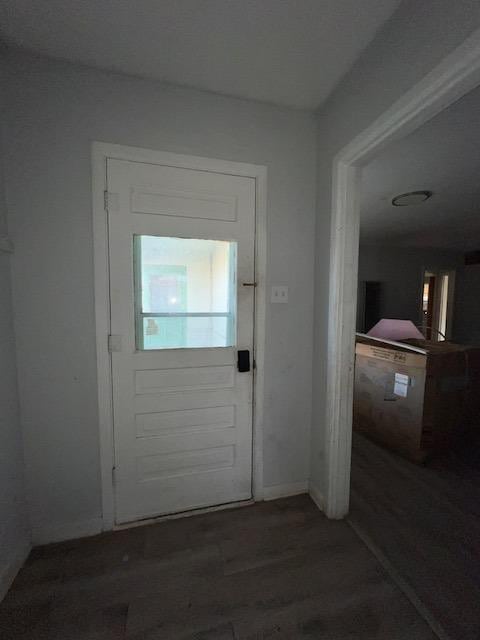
(185,293)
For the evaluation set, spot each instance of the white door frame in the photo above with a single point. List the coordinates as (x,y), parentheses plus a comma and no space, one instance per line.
(456,75)
(101,151)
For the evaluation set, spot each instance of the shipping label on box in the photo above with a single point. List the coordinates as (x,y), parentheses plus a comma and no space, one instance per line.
(400,388)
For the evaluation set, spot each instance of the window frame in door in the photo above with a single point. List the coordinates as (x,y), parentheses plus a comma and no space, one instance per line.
(101,152)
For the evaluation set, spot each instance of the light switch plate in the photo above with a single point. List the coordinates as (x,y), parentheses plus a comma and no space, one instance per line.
(279,294)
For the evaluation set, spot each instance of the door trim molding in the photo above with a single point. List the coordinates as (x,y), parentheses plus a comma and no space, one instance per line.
(101,151)
(457,74)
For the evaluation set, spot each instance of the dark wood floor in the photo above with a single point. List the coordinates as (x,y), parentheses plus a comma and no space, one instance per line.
(425,520)
(274,570)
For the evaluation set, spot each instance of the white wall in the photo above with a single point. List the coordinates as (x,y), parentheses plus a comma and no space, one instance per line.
(14,528)
(400,270)
(416,38)
(54,111)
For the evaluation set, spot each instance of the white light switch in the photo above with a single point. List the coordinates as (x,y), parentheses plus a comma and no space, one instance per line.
(279,294)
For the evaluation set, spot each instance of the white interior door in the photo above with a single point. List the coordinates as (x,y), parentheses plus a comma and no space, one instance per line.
(181,247)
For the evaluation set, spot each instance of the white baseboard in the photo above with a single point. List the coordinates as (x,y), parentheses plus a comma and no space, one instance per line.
(47,533)
(12,566)
(284,490)
(316,496)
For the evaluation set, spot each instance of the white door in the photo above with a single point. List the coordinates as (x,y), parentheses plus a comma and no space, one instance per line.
(181,250)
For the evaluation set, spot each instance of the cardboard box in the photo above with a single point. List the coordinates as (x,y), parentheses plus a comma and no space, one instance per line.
(415,398)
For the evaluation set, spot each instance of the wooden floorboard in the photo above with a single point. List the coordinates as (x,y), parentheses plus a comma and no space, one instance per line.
(273,570)
(425,520)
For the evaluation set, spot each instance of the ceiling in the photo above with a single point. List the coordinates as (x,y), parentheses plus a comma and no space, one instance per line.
(287,52)
(442,156)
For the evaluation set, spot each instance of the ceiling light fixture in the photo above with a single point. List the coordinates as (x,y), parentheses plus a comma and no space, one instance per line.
(410,198)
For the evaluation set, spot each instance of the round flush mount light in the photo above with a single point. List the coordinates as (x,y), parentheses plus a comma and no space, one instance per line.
(410,198)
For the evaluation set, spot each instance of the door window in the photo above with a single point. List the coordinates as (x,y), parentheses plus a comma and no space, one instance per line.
(185,293)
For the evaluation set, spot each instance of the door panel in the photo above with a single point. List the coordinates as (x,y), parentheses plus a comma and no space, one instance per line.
(182,415)
(187,204)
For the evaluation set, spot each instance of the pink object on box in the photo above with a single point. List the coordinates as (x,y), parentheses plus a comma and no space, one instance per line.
(395,330)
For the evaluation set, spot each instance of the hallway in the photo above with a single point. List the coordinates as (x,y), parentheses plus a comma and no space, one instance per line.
(425,520)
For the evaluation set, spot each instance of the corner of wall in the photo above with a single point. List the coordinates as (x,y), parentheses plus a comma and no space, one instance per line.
(12,565)
(15,539)
(316,495)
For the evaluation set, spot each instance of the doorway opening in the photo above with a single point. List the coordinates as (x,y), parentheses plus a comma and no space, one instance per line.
(454,77)
(437,304)
(415,473)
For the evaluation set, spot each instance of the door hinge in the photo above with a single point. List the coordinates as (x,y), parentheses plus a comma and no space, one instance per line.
(114,343)
(110,201)
(113,475)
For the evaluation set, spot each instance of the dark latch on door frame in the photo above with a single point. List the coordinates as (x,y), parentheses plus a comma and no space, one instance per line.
(243,360)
